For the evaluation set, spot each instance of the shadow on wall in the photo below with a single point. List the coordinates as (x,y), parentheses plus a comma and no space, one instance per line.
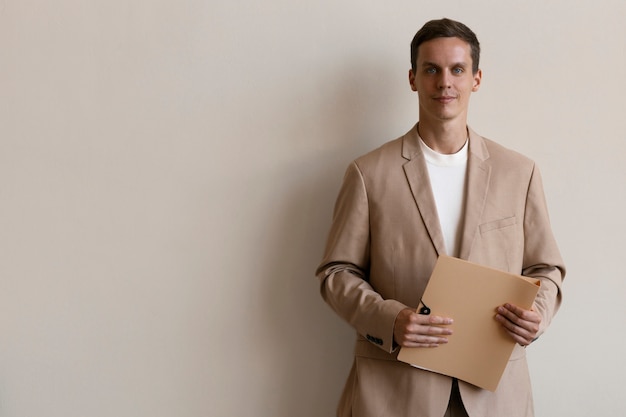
(312,346)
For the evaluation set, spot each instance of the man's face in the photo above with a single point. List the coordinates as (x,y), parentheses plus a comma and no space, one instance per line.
(443,79)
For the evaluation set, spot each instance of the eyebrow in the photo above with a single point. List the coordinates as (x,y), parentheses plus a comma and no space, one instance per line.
(456,64)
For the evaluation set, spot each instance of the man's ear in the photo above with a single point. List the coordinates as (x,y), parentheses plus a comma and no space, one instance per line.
(412,80)
(477,80)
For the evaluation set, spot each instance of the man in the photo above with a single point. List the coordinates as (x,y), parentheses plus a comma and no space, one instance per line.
(439,189)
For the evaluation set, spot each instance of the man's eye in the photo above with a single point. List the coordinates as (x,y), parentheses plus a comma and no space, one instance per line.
(431,70)
(458,70)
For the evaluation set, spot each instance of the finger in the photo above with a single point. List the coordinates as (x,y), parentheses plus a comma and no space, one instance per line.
(508,315)
(425,341)
(435,330)
(428,330)
(529,324)
(528,315)
(519,334)
(511,325)
(428,319)
(440,320)
(425,336)
(528,320)
(522,341)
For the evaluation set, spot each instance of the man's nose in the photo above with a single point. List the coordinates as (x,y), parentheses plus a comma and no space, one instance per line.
(444,80)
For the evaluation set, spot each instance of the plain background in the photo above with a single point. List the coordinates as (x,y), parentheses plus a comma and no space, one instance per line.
(168,171)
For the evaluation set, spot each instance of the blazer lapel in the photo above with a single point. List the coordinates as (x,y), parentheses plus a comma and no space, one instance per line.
(417,176)
(478,174)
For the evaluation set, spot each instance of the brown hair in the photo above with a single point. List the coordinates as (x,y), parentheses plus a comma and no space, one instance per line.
(446,28)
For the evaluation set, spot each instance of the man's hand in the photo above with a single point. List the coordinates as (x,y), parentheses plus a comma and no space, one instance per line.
(417,330)
(521,324)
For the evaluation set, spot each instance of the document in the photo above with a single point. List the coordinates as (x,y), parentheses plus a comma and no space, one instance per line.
(479,348)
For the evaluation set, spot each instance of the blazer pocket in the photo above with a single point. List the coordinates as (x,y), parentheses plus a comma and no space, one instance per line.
(497,224)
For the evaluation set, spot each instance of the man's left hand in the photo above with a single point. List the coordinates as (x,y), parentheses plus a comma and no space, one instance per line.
(522,325)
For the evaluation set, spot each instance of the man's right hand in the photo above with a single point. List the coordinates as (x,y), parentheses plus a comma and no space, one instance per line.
(418,330)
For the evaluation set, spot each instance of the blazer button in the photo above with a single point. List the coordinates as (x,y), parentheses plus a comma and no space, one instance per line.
(373,339)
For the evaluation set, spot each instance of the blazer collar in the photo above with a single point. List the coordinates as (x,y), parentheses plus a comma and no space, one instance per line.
(478,173)
(411,148)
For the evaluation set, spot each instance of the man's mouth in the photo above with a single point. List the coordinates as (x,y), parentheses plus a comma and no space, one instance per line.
(445,99)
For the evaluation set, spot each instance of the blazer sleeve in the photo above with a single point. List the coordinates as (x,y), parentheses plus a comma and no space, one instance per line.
(344,270)
(542,258)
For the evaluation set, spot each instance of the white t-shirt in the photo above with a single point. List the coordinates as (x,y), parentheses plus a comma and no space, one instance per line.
(447,179)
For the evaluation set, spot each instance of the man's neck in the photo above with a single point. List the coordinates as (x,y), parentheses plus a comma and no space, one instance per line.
(445,138)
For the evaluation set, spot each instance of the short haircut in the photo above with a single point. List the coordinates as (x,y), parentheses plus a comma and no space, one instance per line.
(446,28)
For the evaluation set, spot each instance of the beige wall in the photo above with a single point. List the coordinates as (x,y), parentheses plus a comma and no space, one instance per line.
(167,175)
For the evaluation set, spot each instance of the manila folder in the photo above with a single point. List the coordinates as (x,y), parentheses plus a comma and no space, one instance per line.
(479,348)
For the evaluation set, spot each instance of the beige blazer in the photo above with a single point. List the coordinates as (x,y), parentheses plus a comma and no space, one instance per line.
(382,246)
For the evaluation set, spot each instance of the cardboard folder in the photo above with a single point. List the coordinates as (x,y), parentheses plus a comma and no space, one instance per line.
(479,348)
